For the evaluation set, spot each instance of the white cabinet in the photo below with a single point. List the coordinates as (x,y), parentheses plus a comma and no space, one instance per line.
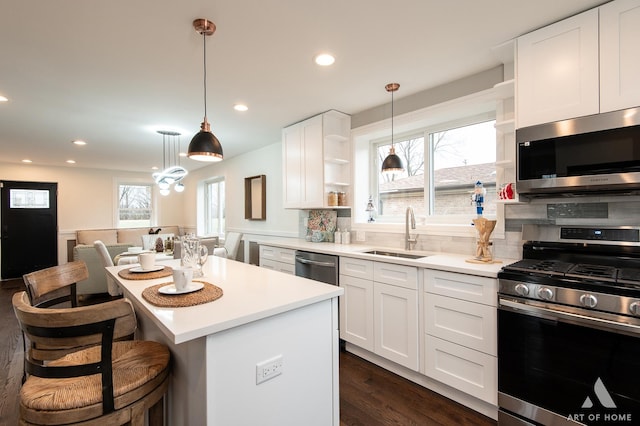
(396,324)
(302,164)
(316,160)
(278,259)
(379,309)
(356,304)
(356,311)
(557,71)
(582,65)
(619,60)
(460,319)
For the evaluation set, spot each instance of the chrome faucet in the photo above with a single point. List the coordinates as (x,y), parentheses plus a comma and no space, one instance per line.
(407,237)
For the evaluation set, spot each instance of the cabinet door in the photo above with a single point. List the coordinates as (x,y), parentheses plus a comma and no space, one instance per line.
(313,163)
(619,59)
(470,371)
(469,324)
(396,324)
(302,168)
(356,312)
(557,71)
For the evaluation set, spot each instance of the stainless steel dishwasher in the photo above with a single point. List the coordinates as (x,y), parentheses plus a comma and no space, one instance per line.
(317,266)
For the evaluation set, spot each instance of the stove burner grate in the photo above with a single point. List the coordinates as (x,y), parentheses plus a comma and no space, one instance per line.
(590,272)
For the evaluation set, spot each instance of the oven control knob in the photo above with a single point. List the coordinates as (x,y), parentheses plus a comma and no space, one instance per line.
(634,308)
(523,290)
(588,300)
(545,293)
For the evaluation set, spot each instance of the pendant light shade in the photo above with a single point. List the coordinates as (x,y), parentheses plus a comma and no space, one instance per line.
(174,172)
(392,163)
(205,146)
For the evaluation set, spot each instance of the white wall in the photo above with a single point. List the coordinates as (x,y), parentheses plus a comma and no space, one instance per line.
(265,161)
(87,197)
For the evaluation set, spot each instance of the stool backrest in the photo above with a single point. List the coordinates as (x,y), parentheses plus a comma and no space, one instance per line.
(55,285)
(42,326)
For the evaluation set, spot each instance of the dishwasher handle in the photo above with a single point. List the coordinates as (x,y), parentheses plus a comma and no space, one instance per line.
(315,262)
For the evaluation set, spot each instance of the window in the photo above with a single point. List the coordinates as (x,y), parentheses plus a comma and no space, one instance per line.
(134,205)
(214,207)
(442,165)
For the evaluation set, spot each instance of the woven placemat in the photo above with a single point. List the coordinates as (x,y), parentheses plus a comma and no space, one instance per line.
(128,275)
(207,294)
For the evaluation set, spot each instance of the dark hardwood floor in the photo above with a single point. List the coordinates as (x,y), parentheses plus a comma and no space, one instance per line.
(369,395)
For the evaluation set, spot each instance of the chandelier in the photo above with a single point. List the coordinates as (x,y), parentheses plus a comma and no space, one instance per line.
(174,173)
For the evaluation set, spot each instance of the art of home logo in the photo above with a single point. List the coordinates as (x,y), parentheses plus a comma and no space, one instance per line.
(593,413)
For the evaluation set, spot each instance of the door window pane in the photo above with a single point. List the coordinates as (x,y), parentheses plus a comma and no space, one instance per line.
(28,199)
(215,207)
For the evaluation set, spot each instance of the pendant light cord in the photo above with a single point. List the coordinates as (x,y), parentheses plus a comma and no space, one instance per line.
(391,119)
(204,62)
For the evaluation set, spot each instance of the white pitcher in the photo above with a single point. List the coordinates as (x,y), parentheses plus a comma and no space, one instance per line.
(193,254)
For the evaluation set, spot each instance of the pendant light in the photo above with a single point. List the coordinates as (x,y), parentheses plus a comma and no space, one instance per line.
(173,174)
(205,146)
(393,163)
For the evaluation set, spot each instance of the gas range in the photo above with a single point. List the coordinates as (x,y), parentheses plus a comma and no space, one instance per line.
(585,267)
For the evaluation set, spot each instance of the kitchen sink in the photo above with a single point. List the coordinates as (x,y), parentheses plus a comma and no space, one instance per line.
(395,254)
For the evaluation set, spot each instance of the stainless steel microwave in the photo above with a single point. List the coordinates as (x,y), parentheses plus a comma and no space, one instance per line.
(593,154)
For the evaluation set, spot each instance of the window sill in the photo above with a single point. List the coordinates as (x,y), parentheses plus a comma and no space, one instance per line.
(439,230)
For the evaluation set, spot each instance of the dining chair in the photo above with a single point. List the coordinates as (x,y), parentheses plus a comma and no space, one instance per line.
(111,382)
(231,245)
(103,254)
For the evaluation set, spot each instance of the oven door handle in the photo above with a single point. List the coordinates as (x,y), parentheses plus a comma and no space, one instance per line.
(554,314)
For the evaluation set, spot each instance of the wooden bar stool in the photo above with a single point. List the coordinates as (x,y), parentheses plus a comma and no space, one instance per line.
(112,383)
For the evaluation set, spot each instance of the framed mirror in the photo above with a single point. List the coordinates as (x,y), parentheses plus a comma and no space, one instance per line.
(255,197)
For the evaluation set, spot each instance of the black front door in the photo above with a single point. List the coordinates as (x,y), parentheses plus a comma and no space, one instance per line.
(29,221)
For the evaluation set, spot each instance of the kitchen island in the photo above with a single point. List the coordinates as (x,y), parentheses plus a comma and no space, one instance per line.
(265,322)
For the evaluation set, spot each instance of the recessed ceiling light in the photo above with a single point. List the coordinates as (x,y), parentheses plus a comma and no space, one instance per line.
(26,160)
(324,59)
(79,142)
(154,168)
(71,161)
(240,107)
(182,154)
(4,99)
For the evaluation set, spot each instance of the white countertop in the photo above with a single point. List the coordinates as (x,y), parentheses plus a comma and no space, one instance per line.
(432,260)
(250,293)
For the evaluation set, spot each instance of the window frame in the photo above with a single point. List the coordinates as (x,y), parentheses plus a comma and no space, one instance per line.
(208,231)
(481,106)
(152,202)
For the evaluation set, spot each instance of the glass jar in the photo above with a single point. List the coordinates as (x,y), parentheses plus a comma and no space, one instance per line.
(342,198)
(333,199)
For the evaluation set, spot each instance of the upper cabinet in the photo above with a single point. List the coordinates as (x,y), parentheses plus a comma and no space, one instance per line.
(580,66)
(316,160)
(619,59)
(557,71)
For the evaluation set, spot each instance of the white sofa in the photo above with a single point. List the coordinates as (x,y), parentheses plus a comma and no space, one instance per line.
(117,241)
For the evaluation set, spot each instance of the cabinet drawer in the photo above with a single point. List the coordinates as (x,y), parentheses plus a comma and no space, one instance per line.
(356,268)
(468,324)
(462,286)
(398,275)
(287,268)
(278,254)
(469,371)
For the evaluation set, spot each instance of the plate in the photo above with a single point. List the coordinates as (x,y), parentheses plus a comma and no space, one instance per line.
(171,289)
(138,269)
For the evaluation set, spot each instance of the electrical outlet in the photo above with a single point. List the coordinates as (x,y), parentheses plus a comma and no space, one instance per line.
(269,369)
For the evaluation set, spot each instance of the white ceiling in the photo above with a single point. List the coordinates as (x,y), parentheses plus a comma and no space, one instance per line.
(113,72)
